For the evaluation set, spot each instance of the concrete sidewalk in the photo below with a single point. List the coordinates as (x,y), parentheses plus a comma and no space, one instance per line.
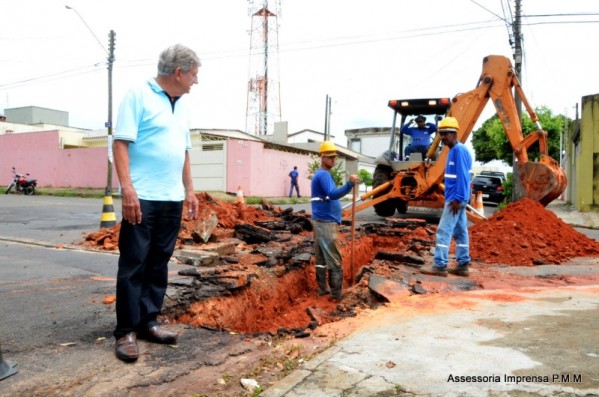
(571,216)
(533,342)
(482,343)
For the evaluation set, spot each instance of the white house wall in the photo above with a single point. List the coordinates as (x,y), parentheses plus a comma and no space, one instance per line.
(207,160)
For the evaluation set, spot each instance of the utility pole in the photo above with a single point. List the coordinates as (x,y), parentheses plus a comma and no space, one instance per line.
(518,54)
(108,125)
(327,119)
(517,190)
(108,218)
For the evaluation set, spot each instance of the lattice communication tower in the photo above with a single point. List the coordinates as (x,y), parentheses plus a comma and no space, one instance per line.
(263,103)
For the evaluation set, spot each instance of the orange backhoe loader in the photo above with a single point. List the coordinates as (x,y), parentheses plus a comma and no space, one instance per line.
(399,183)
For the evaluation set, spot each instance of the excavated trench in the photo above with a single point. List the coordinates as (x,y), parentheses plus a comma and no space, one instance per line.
(276,300)
(263,280)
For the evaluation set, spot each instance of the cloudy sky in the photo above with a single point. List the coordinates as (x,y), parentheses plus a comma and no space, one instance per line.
(360,53)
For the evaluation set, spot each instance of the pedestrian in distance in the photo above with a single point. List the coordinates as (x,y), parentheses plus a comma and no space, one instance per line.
(457,194)
(326,218)
(294,174)
(420,134)
(151,155)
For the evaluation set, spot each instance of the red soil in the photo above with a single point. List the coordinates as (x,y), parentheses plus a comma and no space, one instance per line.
(525,234)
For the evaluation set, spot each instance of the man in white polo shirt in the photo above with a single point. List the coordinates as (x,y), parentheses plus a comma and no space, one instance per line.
(152,162)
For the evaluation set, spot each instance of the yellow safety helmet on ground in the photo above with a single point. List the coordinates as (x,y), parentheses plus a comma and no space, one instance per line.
(449,124)
(328,148)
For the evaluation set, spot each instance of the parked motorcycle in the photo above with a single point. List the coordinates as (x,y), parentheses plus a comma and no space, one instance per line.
(22,183)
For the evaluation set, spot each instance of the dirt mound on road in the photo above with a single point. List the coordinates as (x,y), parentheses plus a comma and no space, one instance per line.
(228,214)
(526,234)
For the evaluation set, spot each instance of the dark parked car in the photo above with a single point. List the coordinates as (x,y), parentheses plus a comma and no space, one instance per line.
(494,173)
(490,186)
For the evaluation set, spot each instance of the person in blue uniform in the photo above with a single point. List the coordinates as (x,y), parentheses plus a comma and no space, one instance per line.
(457,194)
(420,134)
(294,174)
(326,218)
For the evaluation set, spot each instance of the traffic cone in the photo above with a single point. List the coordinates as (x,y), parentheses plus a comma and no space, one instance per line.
(240,199)
(478,205)
(108,218)
(7,368)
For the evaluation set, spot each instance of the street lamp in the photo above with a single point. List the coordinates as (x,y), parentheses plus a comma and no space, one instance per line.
(108,218)
(87,26)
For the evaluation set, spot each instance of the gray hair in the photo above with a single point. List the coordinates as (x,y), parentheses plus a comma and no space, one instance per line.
(177,56)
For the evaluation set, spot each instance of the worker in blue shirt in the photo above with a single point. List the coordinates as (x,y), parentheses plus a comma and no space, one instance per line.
(294,174)
(420,134)
(326,218)
(457,193)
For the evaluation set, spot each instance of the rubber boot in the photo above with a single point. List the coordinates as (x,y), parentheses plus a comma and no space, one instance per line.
(321,279)
(336,283)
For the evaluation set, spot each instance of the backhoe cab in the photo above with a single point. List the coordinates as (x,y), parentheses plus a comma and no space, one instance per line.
(394,159)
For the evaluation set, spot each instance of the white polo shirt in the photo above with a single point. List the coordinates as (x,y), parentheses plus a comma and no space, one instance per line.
(158,133)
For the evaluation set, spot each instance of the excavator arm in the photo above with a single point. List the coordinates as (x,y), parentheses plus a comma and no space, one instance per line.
(542,181)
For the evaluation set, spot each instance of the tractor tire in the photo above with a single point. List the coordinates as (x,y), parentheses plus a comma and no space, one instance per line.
(382,174)
(402,206)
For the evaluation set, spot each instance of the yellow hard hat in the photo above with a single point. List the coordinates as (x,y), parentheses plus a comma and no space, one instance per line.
(449,124)
(328,148)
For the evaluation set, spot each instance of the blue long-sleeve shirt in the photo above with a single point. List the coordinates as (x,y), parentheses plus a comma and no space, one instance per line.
(325,197)
(457,174)
(420,136)
(294,174)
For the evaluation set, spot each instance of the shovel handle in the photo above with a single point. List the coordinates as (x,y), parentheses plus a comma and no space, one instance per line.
(353,233)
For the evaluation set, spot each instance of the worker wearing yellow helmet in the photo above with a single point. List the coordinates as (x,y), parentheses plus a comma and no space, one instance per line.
(326,218)
(457,193)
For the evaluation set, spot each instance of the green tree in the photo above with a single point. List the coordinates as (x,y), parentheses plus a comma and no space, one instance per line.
(337,171)
(490,141)
(365,177)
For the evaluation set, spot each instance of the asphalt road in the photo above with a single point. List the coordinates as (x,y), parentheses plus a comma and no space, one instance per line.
(53,322)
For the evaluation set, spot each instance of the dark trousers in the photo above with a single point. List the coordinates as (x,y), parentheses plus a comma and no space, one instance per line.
(296,186)
(415,149)
(142,276)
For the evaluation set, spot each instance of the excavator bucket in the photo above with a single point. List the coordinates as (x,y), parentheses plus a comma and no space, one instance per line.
(543,181)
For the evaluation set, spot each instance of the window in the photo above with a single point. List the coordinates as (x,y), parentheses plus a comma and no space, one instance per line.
(355,144)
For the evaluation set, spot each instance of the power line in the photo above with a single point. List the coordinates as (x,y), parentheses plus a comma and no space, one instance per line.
(578,14)
(336,42)
(489,11)
(54,76)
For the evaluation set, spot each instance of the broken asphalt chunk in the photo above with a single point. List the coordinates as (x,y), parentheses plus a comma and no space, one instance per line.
(400,257)
(252,234)
(386,289)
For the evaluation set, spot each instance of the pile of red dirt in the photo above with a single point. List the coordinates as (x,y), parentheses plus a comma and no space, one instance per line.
(228,214)
(524,233)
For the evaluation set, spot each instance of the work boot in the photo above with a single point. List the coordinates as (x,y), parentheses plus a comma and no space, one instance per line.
(321,279)
(434,271)
(460,270)
(336,283)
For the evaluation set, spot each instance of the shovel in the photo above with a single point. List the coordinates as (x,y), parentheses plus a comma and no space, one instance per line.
(353,233)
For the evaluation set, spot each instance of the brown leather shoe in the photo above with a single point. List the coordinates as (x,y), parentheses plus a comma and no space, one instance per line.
(126,347)
(158,335)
